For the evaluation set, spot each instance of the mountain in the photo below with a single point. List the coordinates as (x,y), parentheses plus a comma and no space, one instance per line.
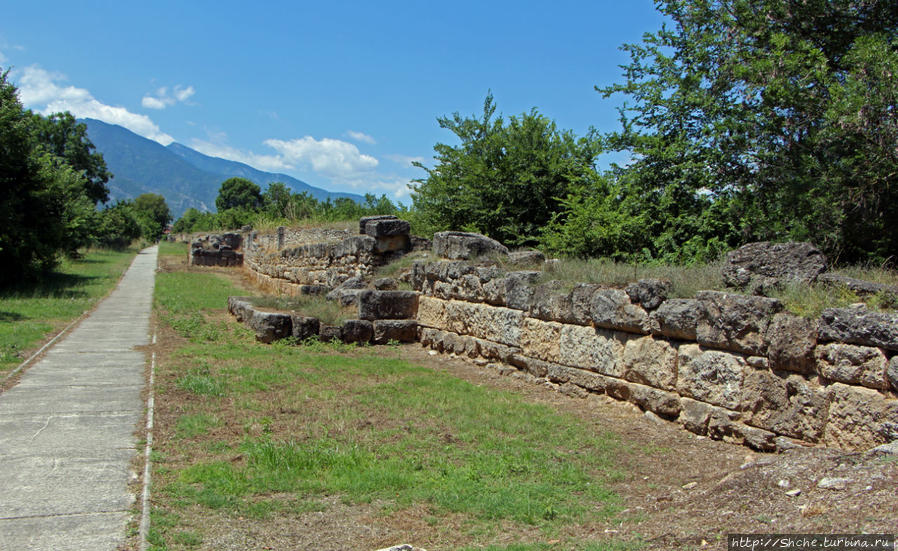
(185,177)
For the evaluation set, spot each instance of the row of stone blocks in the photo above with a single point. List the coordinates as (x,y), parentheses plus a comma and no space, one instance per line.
(385,316)
(710,391)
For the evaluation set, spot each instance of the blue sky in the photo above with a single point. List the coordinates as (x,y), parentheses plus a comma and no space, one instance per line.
(342,95)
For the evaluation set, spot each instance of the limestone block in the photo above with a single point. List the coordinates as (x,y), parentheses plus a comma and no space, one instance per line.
(648,293)
(465,245)
(694,415)
(791,341)
(540,339)
(859,326)
(612,309)
(581,303)
(763,265)
(852,364)
(358,331)
(710,375)
(468,287)
(395,330)
(494,292)
(495,351)
(444,290)
(328,333)
(387,304)
(598,350)
(387,227)
(354,246)
(580,377)
(892,373)
(665,404)
(550,302)
(432,312)
(678,318)
(650,361)
(392,243)
(270,326)
(363,222)
(736,322)
(537,368)
(723,425)
(240,308)
(785,403)
(303,327)
(526,258)
(519,289)
(493,323)
(860,418)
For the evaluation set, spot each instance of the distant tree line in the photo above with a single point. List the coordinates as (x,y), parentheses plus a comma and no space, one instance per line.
(241,202)
(53,181)
(745,121)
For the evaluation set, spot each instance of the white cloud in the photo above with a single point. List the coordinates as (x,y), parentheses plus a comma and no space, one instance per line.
(406,160)
(162,98)
(262,162)
(2,58)
(39,90)
(360,137)
(328,156)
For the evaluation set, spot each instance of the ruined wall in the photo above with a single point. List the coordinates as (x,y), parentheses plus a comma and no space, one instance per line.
(728,366)
(292,262)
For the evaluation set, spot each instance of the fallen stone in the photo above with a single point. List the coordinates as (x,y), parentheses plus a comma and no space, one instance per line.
(757,267)
(794,493)
(827,483)
(526,258)
(270,326)
(689,485)
(304,327)
(465,246)
(859,326)
(885,449)
(653,418)
(385,284)
(860,286)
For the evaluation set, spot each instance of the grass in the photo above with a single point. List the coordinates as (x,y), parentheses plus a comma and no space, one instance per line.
(271,431)
(33,311)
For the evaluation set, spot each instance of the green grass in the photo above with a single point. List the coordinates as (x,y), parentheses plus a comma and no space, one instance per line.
(316,306)
(316,420)
(32,311)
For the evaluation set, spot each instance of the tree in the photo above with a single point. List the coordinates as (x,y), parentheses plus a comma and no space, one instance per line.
(503,180)
(276,199)
(116,226)
(238,193)
(66,139)
(152,214)
(753,119)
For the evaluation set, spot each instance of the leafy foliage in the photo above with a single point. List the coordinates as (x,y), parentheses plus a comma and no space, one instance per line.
(504,179)
(152,214)
(237,193)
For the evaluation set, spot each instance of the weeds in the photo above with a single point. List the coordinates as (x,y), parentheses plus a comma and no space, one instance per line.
(316,306)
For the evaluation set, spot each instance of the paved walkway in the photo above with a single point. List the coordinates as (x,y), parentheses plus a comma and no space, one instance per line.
(67,429)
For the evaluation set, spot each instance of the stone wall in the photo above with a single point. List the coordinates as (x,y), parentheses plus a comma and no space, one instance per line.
(293,262)
(728,366)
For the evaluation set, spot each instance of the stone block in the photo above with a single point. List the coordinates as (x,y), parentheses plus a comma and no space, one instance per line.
(710,375)
(375,305)
(494,292)
(240,307)
(493,323)
(395,330)
(526,258)
(580,377)
(763,265)
(540,339)
(303,327)
(387,227)
(270,326)
(550,302)
(581,303)
(853,365)
(860,418)
(791,342)
(357,331)
(363,222)
(464,245)
(519,289)
(537,368)
(328,333)
(665,404)
(598,350)
(859,326)
(694,415)
(392,243)
(612,309)
(736,322)
(384,284)
(892,373)
(357,245)
(651,362)
(785,403)
(723,425)
(648,293)
(495,351)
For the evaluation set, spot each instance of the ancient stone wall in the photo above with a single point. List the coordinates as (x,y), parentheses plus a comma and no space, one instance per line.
(728,366)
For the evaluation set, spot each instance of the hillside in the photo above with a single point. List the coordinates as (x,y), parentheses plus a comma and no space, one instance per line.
(185,177)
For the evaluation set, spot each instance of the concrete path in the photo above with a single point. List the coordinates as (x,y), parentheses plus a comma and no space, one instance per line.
(67,428)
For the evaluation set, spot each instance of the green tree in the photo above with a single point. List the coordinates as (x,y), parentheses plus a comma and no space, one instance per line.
(503,180)
(152,214)
(276,199)
(116,226)
(752,119)
(238,193)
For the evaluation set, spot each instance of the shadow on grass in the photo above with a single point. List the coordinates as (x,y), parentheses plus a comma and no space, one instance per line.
(11,316)
(52,285)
